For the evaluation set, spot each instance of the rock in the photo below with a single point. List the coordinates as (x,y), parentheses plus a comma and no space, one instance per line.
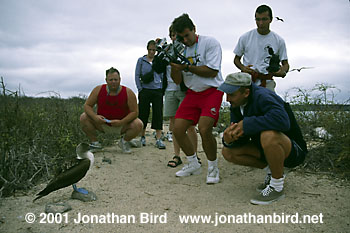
(59,207)
(84,197)
(322,133)
(107,160)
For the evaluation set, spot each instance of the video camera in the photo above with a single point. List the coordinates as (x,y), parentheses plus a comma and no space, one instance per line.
(171,52)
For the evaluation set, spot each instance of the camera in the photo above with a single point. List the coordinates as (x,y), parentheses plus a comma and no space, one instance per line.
(274,64)
(171,52)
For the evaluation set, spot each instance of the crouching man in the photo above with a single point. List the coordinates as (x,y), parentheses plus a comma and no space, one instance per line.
(263,133)
(117,112)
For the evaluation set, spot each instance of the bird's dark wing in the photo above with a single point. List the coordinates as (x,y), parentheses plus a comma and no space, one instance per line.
(69,177)
(278,18)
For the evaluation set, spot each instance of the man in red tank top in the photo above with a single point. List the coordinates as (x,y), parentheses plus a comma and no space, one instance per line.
(117,111)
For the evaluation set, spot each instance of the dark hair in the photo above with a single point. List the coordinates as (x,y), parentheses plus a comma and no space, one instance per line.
(264,8)
(181,23)
(171,30)
(111,71)
(151,42)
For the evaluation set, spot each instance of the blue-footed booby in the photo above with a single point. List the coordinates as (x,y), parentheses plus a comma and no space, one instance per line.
(85,160)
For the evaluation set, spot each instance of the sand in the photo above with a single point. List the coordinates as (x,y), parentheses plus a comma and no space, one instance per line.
(138,193)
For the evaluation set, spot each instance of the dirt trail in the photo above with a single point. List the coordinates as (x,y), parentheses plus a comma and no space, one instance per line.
(140,184)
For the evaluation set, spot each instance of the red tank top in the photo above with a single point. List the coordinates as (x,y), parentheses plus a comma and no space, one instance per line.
(112,107)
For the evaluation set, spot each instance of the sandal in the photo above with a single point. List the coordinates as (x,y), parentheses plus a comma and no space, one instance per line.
(175,162)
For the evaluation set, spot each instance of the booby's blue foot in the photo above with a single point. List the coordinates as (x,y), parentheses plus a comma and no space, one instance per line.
(80,190)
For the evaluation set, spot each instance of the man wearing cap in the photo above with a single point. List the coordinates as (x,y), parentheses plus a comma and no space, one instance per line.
(263,133)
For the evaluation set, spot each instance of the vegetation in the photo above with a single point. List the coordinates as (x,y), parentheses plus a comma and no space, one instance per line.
(38,136)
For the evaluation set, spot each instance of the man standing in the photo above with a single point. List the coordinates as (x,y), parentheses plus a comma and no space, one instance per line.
(263,134)
(117,112)
(262,51)
(202,75)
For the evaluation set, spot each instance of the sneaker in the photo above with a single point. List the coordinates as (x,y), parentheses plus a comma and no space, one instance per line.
(189,169)
(95,146)
(135,143)
(143,141)
(266,182)
(267,196)
(262,186)
(160,144)
(169,136)
(213,175)
(125,146)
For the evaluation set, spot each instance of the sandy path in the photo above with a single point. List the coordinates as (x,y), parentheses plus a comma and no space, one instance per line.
(141,184)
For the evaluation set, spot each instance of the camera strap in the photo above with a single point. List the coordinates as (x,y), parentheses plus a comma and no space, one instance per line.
(195,52)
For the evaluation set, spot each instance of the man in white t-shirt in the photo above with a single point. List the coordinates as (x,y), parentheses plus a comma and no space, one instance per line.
(202,75)
(258,47)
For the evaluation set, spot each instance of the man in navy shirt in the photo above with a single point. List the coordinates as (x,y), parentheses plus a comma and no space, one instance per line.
(263,133)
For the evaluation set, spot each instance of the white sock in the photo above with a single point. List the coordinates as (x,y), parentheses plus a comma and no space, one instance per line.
(192,159)
(277,184)
(213,163)
(267,169)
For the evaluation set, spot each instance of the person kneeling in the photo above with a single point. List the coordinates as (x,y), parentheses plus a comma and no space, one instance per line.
(263,133)
(117,112)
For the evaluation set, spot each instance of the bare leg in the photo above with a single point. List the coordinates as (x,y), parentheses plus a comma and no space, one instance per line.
(246,155)
(277,147)
(180,128)
(175,144)
(89,127)
(205,126)
(158,133)
(192,134)
(132,129)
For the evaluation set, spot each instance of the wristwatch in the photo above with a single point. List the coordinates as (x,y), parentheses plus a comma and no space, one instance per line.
(228,145)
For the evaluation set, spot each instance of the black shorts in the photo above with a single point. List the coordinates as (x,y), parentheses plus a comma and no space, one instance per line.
(295,158)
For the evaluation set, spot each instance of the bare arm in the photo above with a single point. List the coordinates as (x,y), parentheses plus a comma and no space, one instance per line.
(90,103)
(239,65)
(203,71)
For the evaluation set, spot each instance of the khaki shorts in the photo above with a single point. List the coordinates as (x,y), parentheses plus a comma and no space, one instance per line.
(113,130)
(173,100)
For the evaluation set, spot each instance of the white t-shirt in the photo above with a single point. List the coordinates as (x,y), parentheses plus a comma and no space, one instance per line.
(207,51)
(254,49)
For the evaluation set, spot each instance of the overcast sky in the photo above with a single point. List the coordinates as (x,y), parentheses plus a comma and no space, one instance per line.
(65,46)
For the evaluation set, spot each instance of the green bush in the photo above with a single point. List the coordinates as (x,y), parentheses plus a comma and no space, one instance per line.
(38,136)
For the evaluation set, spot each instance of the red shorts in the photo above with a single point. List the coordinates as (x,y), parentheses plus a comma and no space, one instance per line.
(197,104)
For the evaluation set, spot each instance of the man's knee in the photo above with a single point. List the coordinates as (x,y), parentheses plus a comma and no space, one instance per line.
(138,124)
(229,155)
(269,138)
(205,130)
(179,128)
(84,118)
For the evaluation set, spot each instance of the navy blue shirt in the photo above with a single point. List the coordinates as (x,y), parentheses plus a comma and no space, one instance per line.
(264,111)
